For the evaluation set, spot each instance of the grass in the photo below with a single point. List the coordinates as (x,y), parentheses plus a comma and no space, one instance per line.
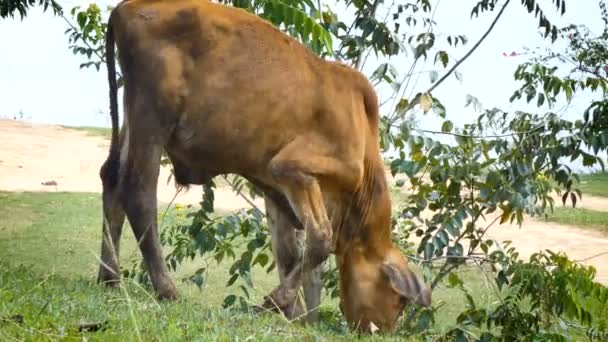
(49,244)
(594,184)
(105,132)
(580,217)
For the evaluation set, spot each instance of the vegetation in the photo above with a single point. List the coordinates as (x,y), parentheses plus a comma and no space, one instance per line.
(8,8)
(503,164)
(581,217)
(54,293)
(594,184)
(93,131)
(54,289)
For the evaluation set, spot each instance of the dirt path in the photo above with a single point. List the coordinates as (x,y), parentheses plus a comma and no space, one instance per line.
(32,154)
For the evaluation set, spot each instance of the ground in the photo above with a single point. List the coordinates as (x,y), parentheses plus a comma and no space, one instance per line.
(64,224)
(70,159)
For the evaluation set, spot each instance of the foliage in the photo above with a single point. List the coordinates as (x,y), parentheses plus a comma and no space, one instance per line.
(544,296)
(216,238)
(498,168)
(588,57)
(595,184)
(90,33)
(580,217)
(9,7)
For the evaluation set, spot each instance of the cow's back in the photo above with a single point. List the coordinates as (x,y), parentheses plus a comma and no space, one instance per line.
(225,78)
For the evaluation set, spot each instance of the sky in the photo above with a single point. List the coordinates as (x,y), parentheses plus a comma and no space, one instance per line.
(41,78)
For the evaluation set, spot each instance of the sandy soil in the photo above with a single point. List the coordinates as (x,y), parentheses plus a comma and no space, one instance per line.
(33,154)
(69,160)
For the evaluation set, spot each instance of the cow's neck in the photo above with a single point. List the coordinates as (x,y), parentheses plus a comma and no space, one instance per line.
(368,219)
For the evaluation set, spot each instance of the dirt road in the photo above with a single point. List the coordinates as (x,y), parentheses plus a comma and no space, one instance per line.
(69,160)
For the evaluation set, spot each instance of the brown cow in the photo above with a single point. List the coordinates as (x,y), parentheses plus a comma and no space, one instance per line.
(222,91)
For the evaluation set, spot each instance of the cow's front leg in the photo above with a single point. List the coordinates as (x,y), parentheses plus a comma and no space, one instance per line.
(287,254)
(288,250)
(297,170)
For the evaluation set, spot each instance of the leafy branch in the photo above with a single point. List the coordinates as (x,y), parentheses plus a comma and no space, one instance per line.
(9,7)
(416,100)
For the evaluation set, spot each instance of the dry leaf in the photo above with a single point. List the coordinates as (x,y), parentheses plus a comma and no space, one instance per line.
(426,102)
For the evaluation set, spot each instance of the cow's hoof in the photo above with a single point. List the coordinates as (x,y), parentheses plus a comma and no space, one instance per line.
(266,306)
(168,294)
(107,278)
(282,300)
(166,289)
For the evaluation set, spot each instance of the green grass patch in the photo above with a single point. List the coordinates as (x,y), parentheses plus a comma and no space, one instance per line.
(580,217)
(49,247)
(54,307)
(594,184)
(105,132)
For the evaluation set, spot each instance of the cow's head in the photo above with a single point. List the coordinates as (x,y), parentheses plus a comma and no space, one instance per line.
(376,288)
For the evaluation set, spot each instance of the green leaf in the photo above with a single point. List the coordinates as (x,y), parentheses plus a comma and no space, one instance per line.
(81,18)
(573,198)
(454,280)
(425,102)
(433,75)
(456,251)
(588,159)
(232,279)
(443,237)
(198,280)
(429,249)
(567,90)
(458,75)
(261,259)
(443,56)
(447,126)
(541,100)
(506,214)
(229,301)
(279,12)
(307,29)
(501,279)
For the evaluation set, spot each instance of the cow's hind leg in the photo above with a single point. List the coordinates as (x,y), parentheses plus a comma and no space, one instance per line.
(138,197)
(113,221)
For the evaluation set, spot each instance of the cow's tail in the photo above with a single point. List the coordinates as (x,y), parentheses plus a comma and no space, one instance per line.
(109,171)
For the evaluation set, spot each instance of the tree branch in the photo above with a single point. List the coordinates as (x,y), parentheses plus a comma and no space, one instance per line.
(472,136)
(471,257)
(359,63)
(242,195)
(467,55)
(358,59)
(101,58)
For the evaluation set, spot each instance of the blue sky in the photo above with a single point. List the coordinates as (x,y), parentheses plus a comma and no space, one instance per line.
(41,78)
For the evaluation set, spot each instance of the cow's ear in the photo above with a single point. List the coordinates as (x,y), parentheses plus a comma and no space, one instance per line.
(407,284)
